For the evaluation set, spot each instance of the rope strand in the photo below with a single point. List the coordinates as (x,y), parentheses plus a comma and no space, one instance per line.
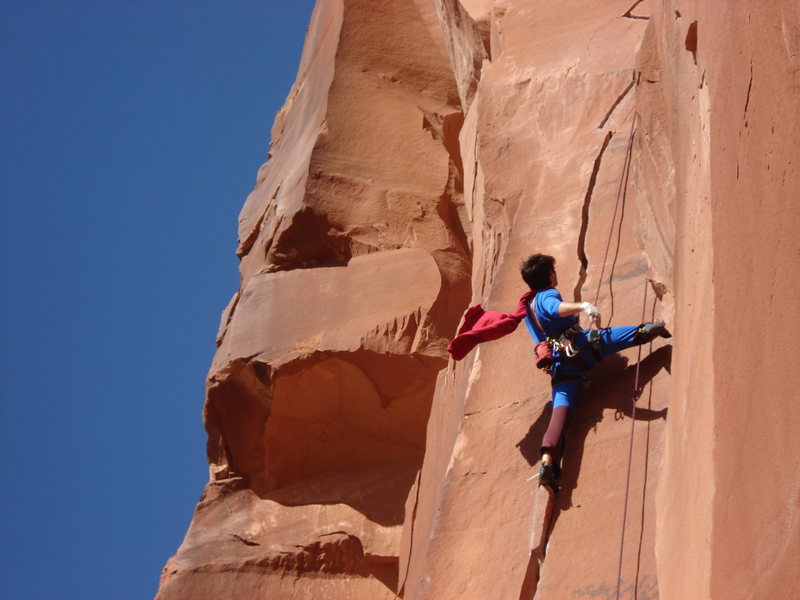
(630,450)
(623,180)
(623,184)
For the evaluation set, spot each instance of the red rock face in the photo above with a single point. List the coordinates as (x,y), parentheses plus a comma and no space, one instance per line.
(426,148)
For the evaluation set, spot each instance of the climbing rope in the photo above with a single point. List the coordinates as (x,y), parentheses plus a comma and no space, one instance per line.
(623,184)
(630,450)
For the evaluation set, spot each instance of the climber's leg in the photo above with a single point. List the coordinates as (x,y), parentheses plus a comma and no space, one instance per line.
(553,440)
(564,395)
(614,339)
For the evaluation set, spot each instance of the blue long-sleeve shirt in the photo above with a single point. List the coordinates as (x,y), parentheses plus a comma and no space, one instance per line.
(546,305)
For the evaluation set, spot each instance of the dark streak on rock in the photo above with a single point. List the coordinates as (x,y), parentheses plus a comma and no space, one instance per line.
(245,541)
(614,106)
(585,218)
(747,102)
(628,14)
(691,40)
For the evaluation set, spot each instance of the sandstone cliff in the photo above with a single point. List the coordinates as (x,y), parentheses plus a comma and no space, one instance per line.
(426,147)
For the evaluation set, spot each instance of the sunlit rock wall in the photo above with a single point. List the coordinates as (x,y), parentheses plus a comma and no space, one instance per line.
(720,127)
(547,142)
(425,149)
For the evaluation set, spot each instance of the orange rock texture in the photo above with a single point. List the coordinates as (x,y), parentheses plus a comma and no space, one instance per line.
(426,148)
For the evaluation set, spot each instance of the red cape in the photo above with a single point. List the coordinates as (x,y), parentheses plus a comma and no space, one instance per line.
(486,325)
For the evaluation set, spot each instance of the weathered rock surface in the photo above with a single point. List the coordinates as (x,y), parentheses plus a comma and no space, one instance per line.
(425,149)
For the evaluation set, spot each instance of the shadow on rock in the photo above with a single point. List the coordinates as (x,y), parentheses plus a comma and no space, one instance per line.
(614,386)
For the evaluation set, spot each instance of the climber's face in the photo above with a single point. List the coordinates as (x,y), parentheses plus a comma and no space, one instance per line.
(553,278)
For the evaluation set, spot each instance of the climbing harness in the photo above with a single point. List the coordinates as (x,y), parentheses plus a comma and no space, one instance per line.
(571,351)
(564,344)
(568,377)
(566,341)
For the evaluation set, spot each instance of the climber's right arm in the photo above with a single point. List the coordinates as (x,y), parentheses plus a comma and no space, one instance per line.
(566,309)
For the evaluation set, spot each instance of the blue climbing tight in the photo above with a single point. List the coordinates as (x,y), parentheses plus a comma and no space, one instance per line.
(611,341)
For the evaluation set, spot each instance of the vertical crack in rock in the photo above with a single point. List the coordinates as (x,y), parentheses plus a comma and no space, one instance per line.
(403,575)
(544,518)
(749,89)
(475,175)
(691,40)
(585,218)
(616,103)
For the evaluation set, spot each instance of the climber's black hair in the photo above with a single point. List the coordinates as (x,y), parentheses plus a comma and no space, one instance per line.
(536,271)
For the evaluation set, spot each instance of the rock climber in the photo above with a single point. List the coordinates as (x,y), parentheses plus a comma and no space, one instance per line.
(567,350)
(574,350)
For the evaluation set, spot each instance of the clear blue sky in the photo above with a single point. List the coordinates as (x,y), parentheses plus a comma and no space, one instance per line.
(130,134)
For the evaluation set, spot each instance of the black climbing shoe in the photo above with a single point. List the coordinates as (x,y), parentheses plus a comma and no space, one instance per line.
(653,330)
(549,476)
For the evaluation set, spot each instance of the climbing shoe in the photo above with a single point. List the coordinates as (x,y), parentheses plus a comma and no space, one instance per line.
(549,476)
(653,330)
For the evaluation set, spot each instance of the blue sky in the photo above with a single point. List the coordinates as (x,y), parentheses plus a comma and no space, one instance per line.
(130,135)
